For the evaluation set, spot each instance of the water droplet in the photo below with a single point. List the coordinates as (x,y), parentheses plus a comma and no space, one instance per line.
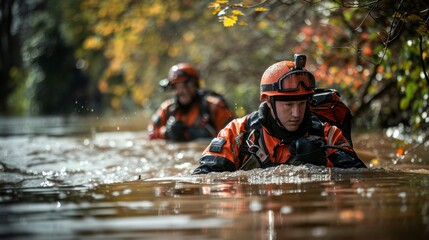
(255,206)
(318,231)
(129,143)
(286,209)
(179,156)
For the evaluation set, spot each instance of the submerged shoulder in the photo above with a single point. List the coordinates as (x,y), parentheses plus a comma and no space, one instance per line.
(215,100)
(236,125)
(167,103)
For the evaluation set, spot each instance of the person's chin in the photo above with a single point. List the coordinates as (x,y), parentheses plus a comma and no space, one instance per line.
(292,127)
(184,101)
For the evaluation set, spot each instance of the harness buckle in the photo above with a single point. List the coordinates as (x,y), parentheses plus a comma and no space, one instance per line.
(255,149)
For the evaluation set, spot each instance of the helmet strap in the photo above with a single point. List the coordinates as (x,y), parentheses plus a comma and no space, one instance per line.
(273,107)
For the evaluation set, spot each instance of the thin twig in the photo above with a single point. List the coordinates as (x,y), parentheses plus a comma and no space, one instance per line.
(422,61)
(368,14)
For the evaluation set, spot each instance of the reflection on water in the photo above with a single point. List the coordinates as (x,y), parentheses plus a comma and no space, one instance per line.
(118,185)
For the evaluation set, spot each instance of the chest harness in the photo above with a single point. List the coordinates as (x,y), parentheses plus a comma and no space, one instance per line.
(253,151)
(203,127)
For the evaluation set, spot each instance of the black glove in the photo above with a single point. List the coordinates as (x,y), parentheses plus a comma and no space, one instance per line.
(308,149)
(175,130)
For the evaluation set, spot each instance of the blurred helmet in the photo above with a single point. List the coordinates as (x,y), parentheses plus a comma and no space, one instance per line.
(288,80)
(183,72)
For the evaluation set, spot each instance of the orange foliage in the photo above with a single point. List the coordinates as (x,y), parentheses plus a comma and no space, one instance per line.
(332,68)
(400,151)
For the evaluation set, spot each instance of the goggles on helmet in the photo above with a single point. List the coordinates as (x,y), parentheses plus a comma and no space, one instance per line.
(180,76)
(291,81)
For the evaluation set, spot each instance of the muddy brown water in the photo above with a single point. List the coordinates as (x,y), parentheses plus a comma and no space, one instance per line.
(62,180)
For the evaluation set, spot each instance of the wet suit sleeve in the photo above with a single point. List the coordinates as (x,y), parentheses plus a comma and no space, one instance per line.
(156,127)
(221,154)
(345,156)
(210,164)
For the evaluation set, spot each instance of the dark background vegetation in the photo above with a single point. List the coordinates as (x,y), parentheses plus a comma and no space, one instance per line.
(88,57)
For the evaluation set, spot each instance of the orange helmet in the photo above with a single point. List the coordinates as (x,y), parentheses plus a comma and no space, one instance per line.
(183,72)
(287,79)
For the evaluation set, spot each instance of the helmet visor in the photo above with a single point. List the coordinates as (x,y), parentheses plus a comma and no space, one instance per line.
(291,81)
(180,76)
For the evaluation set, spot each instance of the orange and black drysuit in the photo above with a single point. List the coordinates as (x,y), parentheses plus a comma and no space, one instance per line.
(256,141)
(204,117)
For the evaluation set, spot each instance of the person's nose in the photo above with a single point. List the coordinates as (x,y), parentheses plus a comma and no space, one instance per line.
(179,90)
(296,111)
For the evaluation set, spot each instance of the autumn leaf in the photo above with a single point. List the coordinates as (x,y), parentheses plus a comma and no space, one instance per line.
(92,43)
(242,23)
(237,13)
(229,21)
(414,18)
(216,10)
(221,2)
(261,9)
(217,6)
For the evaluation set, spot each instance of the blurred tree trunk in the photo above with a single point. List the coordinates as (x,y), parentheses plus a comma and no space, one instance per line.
(10,56)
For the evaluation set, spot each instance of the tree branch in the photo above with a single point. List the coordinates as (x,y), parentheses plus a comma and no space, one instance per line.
(422,60)
(365,104)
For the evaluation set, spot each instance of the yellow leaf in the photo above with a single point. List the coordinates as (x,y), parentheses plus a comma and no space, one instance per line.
(261,9)
(414,17)
(237,13)
(217,4)
(229,21)
(216,10)
(242,23)
(92,43)
(374,162)
(214,5)
(221,1)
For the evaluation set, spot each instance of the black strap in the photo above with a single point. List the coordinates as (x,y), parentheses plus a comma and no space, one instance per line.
(171,109)
(251,123)
(205,105)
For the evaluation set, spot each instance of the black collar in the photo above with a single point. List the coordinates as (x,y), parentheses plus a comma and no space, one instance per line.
(268,121)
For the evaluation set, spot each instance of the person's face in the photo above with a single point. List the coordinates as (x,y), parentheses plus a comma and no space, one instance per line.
(185,92)
(290,113)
